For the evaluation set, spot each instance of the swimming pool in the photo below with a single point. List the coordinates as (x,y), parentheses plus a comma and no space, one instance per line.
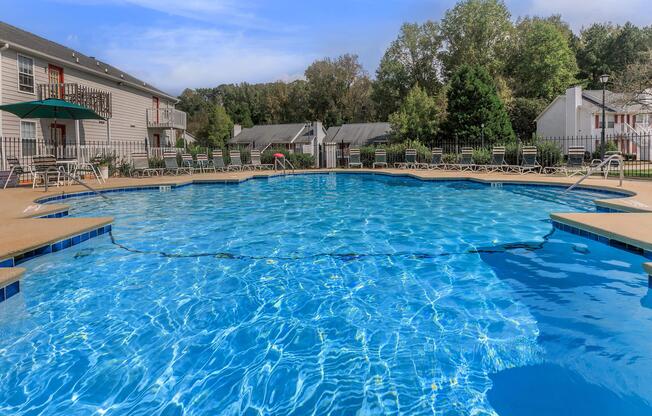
(334,294)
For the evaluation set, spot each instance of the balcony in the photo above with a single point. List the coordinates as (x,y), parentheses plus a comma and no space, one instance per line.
(166,118)
(89,97)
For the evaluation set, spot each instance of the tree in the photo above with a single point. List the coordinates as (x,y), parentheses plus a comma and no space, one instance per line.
(411,59)
(418,118)
(608,49)
(542,64)
(476,32)
(338,90)
(473,101)
(218,129)
(522,112)
(197,108)
(635,83)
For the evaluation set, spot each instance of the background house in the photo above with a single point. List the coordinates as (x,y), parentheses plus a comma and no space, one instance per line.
(34,68)
(339,139)
(297,137)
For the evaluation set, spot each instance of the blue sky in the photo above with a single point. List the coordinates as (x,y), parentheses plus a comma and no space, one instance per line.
(202,43)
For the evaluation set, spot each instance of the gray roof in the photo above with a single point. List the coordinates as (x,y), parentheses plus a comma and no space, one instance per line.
(263,135)
(359,134)
(614,101)
(13,35)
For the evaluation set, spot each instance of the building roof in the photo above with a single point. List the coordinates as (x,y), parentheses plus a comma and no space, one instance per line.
(263,135)
(21,38)
(358,134)
(614,101)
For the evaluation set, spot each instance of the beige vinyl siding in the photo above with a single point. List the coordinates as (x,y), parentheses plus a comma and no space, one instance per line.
(129,105)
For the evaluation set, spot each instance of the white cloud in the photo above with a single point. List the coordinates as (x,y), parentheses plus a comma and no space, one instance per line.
(193,57)
(585,12)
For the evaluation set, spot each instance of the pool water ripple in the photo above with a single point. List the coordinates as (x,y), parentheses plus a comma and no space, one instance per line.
(320,294)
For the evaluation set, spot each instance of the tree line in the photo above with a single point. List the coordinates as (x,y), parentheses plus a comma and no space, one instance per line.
(476,72)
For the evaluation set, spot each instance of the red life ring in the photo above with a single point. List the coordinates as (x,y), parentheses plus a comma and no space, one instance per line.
(279,155)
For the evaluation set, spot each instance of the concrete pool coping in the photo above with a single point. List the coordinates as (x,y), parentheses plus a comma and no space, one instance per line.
(23,228)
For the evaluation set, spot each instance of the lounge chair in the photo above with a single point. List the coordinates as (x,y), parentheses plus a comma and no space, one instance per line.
(46,168)
(236,160)
(218,161)
(14,168)
(497,163)
(171,165)
(140,162)
(188,163)
(380,158)
(354,158)
(574,163)
(529,162)
(203,163)
(91,167)
(256,162)
(437,159)
(410,160)
(466,160)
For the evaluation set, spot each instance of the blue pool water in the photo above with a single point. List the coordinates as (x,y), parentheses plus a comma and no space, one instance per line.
(331,294)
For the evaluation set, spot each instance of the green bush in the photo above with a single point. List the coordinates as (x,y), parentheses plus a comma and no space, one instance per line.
(367,156)
(396,151)
(511,153)
(481,156)
(450,158)
(609,146)
(550,154)
(298,160)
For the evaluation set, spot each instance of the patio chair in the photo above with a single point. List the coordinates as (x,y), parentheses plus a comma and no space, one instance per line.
(466,160)
(188,162)
(380,158)
(45,168)
(236,160)
(203,163)
(256,162)
(140,165)
(529,162)
(171,165)
(497,163)
(218,161)
(14,168)
(574,163)
(354,158)
(410,160)
(437,159)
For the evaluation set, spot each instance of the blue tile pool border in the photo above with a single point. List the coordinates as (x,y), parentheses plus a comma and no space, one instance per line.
(54,247)
(9,290)
(601,239)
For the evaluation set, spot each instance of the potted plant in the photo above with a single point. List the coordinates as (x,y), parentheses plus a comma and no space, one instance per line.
(103,164)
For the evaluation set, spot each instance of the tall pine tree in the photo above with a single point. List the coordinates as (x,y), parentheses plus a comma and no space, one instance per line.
(473,101)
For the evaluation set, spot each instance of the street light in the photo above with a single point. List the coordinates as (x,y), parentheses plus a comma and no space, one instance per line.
(482,134)
(603,79)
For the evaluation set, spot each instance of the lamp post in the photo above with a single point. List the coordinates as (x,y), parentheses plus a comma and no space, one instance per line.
(603,79)
(482,134)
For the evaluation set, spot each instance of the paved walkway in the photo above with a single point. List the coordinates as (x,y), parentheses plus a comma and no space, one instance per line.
(21,232)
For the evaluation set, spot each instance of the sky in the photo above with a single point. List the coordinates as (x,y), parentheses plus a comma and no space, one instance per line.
(203,43)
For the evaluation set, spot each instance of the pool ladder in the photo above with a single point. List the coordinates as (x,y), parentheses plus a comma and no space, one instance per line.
(605,163)
(281,163)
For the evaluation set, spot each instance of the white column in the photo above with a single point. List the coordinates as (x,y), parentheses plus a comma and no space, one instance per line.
(77,140)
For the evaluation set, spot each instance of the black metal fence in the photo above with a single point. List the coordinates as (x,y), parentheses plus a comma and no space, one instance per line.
(636,150)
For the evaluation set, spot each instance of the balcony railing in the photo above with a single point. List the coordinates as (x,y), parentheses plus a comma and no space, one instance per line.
(89,97)
(166,118)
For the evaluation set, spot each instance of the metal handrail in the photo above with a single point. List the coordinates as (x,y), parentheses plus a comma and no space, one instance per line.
(278,162)
(606,162)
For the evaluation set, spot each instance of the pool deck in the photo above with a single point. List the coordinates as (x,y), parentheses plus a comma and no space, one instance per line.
(23,232)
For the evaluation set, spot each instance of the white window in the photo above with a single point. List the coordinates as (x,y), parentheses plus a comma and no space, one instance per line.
(28,137)
(25,74)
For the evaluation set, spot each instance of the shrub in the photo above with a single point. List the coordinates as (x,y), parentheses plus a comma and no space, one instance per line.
(609,146)
(550,154)
(396,151)
(367,155)
(450,158)
(511,153)
(481,156)
(298,160)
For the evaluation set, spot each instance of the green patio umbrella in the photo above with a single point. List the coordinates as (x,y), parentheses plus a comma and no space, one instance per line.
(51,108)
(55,109)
